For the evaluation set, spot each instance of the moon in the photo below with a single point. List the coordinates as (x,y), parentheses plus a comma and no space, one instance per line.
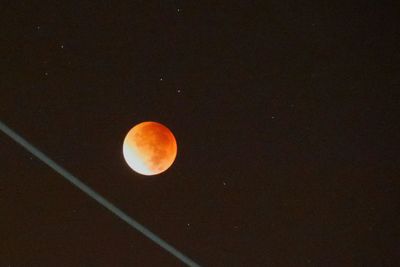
(149,148)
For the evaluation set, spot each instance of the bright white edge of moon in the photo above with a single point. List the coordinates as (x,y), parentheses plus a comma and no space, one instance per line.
(135,161)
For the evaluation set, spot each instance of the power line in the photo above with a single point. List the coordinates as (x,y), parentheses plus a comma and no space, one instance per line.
(96,196)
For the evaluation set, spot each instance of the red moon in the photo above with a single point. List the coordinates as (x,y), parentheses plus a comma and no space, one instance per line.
(149,148)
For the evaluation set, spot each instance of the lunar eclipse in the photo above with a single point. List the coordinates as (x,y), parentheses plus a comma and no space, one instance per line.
(149,148)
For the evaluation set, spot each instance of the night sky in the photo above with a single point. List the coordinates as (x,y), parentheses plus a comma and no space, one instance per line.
(285,115)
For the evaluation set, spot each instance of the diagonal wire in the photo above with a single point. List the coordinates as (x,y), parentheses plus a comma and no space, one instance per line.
(96,196)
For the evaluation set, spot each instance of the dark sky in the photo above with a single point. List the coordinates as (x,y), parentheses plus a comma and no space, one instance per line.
(285,114)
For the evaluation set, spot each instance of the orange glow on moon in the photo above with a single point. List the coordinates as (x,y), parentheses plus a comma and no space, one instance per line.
(149,148)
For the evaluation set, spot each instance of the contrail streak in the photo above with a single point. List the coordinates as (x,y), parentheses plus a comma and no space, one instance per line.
(96,196)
